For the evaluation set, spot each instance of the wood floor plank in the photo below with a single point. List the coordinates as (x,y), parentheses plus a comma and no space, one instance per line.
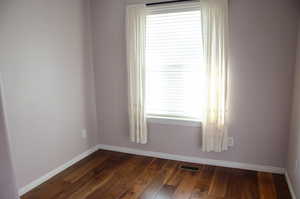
(157,183)
(95,178)
(166,192)
(48,190)
(177,177)
(103,175)
(282,188)
(219,184)
(86,168)
(120,178)
(186,186)
(57,185)
(125,182)
(144,179)
(242,184)
(201,188)
(171,182)
(267,188)
(113,175)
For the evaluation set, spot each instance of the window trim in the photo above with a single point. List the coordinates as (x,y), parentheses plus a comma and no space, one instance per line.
(177,7)
(173,121)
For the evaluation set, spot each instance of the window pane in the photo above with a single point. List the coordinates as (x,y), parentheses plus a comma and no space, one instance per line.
(174,74)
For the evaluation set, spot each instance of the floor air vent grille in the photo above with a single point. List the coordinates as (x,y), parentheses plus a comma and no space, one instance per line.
(189,168)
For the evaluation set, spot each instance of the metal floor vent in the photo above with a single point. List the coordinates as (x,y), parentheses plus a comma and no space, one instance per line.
(189,168)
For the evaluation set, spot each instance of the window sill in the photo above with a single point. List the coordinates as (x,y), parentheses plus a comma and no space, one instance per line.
(173,121)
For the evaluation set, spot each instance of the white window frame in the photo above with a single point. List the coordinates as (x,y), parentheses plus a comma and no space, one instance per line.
(169,120)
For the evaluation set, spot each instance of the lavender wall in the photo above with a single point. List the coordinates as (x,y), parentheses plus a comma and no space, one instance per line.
(49,90)
(263,43)
(48,83)
(8,188)
(294,144)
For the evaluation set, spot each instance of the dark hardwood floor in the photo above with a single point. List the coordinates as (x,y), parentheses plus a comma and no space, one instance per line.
(112,175)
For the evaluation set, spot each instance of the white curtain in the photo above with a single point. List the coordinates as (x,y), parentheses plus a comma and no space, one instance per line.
(135,37)
(214,21)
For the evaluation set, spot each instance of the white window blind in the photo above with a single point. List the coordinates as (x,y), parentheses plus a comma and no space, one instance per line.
(174,76)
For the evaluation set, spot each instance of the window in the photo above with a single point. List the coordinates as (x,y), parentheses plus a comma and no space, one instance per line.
(174,76)
(177,65)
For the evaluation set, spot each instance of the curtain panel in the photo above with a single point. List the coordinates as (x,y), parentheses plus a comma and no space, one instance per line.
(135,38)
(214,22)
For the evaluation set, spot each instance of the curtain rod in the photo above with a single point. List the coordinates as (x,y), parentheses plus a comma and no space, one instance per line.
(167,2)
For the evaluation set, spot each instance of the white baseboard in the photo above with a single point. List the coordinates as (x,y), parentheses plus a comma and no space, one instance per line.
(221,163)
(54,172)
(288,180)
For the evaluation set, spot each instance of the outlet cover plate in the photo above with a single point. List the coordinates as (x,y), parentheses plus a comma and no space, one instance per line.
(230,141)
(83,133)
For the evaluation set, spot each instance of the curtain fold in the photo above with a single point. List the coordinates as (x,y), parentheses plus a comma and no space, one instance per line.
(214,22)
(135,38)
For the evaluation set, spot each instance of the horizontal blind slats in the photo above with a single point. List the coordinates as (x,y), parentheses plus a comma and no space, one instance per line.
(174,76)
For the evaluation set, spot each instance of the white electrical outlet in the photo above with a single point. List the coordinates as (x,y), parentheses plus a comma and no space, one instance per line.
(230,141)
(83,133)
(296,165)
